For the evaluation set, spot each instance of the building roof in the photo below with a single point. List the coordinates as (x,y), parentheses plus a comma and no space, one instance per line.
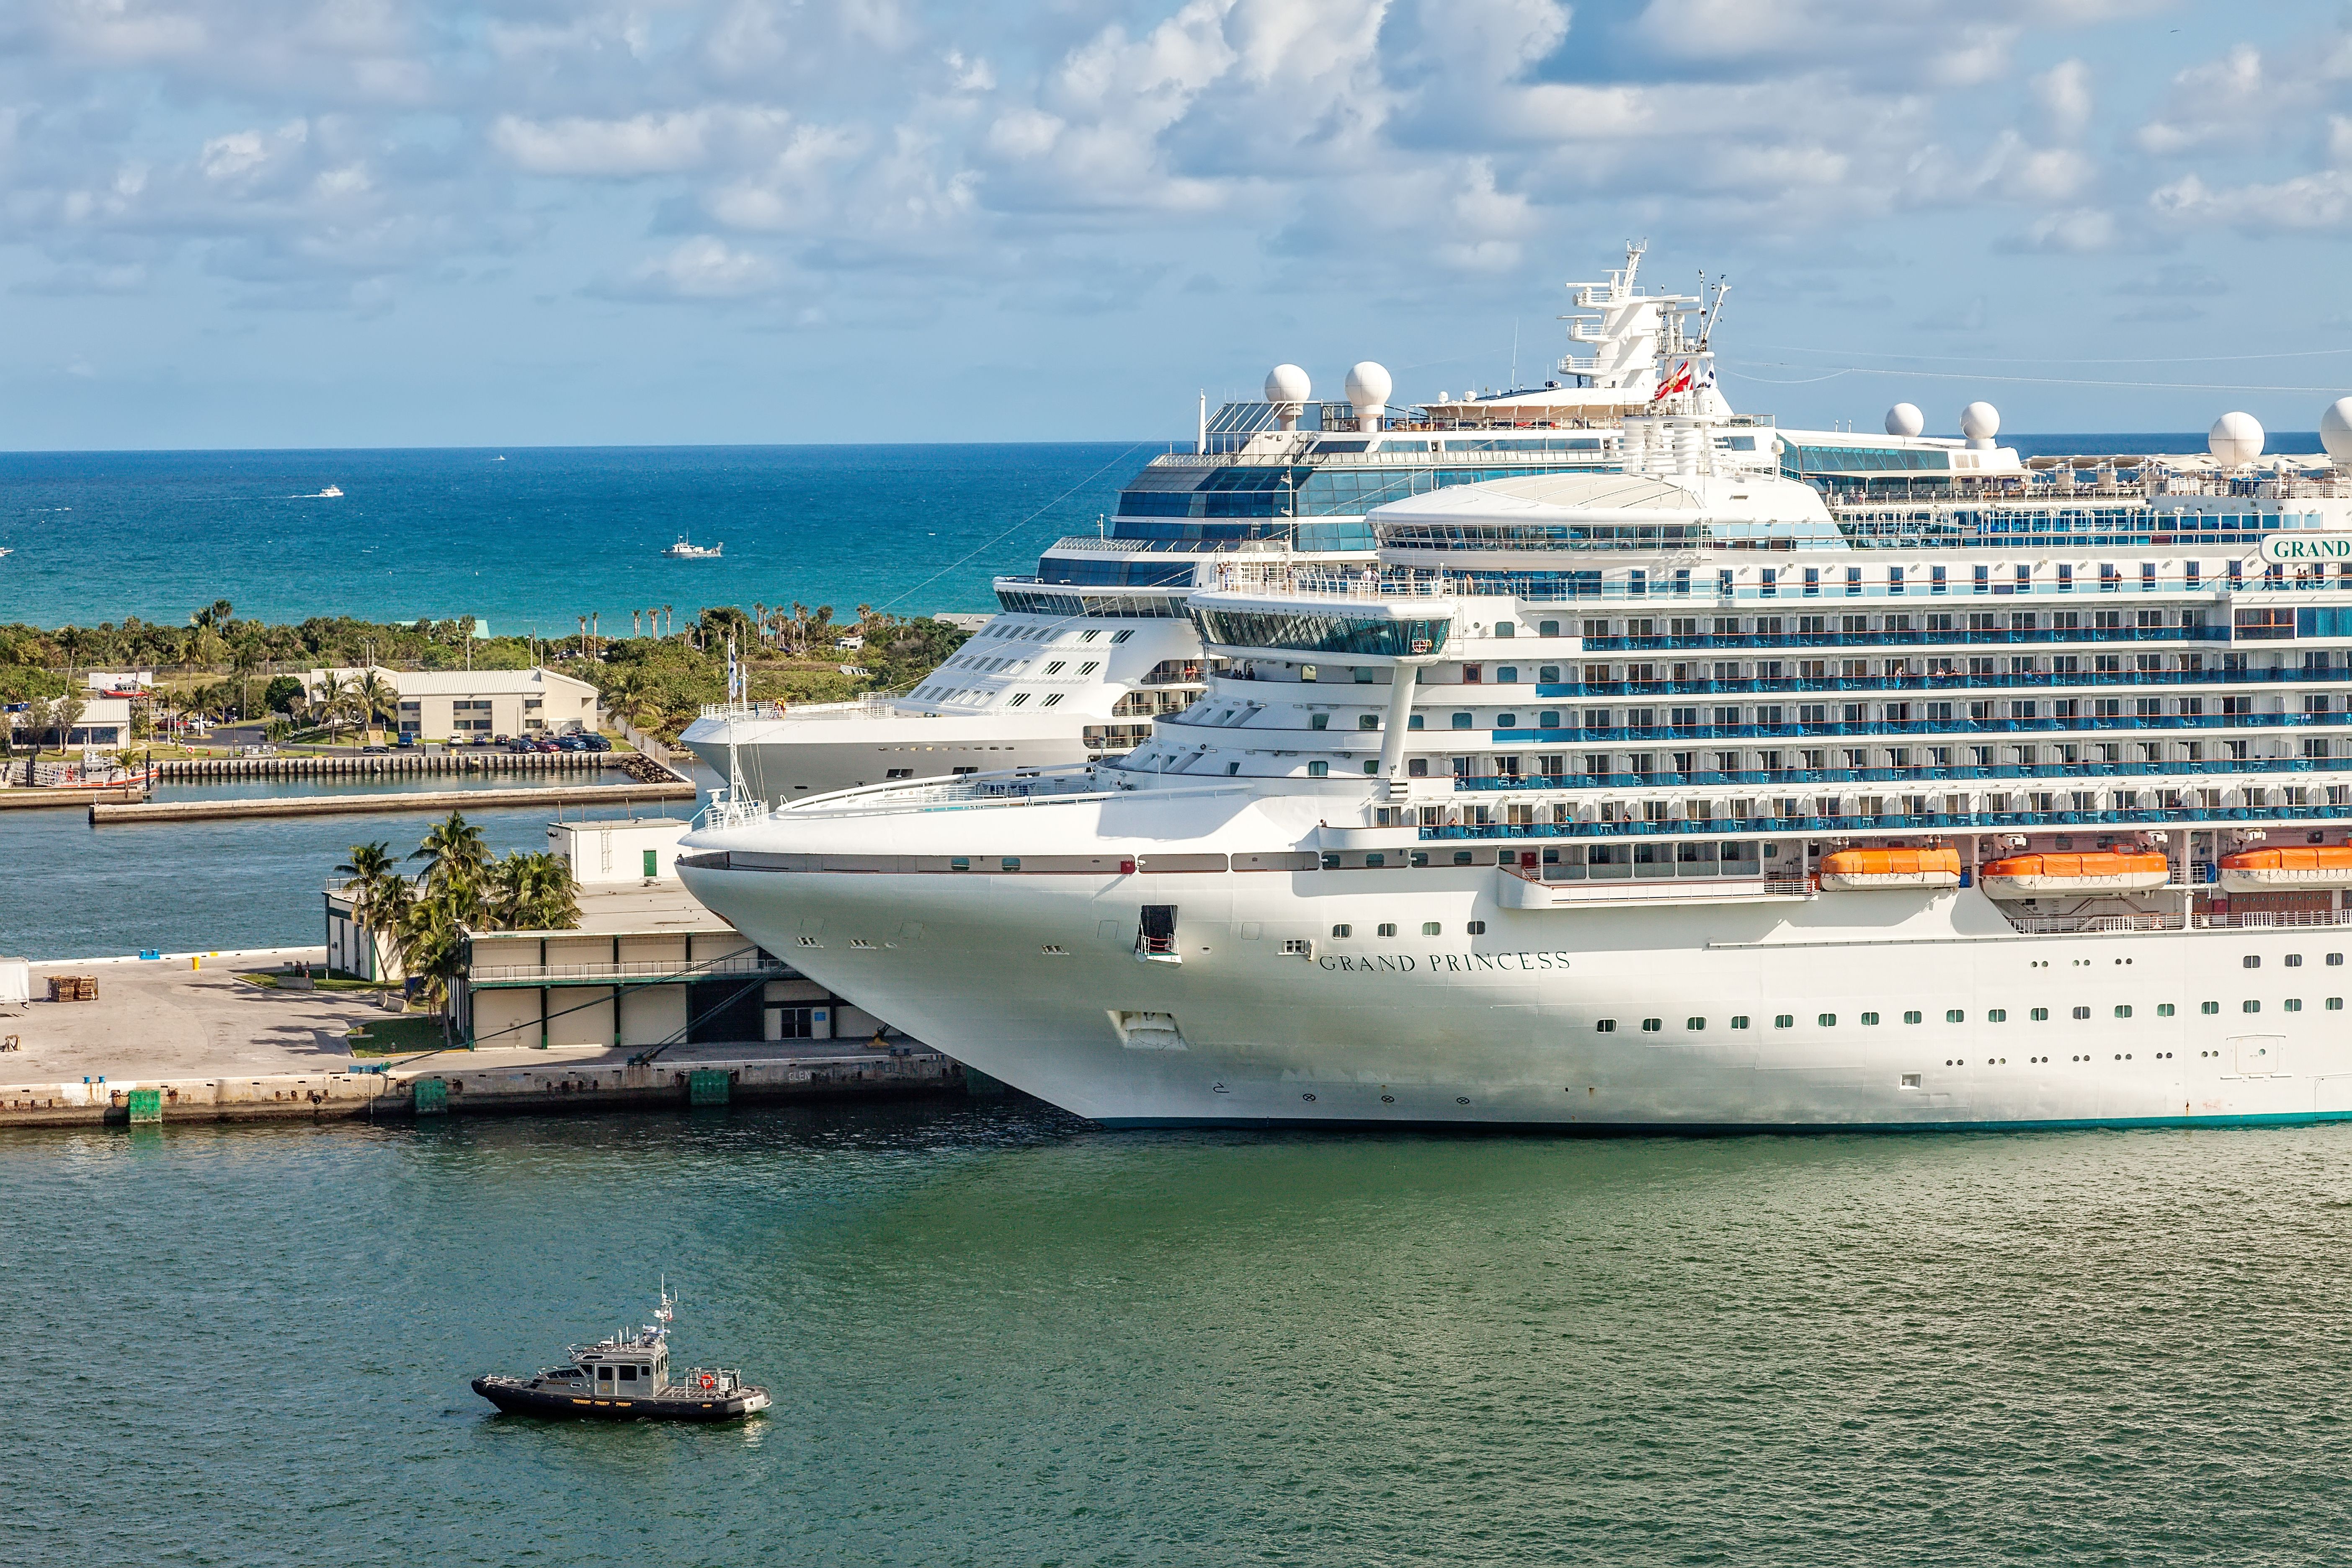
(665,909)
(462,682)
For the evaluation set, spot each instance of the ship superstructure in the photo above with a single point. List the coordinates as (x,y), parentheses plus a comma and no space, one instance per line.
(1093,649)
(1876,791)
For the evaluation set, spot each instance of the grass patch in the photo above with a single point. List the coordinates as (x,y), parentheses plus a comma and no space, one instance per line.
(400,1037)
(269,979)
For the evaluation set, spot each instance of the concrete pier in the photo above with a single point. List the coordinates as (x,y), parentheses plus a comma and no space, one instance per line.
(369,803)
(454,1085)
(385,764)
(64,799)
(185,1038)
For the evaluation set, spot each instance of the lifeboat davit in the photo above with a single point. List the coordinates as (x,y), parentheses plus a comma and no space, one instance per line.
(2089,871)
(1856,869)
(2269,870)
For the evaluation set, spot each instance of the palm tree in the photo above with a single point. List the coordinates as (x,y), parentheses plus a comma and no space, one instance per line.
(374,698)
(458,854)
(370,867)
(326,701)
(433,949)
(670,614)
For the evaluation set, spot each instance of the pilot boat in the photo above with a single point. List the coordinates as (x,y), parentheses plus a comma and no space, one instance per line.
(626,1377)
(2085,871)
(2266,870)
(1852,869)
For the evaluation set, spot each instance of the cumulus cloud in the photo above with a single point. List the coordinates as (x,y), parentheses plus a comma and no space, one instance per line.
(326,149)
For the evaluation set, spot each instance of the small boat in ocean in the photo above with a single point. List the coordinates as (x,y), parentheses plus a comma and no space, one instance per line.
(1852,870)
(2087,871)
(626,1377)
(331,492)
(683,551)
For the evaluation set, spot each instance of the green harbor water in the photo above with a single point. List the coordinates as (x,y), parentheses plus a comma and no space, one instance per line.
(997,1336)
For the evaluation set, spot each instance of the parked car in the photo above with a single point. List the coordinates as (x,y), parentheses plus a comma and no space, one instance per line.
(544,744)
(517,744)
(569,743)
(375,751)
(594,743)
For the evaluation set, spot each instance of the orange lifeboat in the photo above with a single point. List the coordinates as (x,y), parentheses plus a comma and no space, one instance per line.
(2268,870)
(1857,869)
(2089,871)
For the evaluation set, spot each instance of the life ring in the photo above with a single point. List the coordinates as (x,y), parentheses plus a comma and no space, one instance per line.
(710,1382)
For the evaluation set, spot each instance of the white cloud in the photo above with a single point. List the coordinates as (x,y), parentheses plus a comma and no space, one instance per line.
(704,267)
(2064,92)
(641,145)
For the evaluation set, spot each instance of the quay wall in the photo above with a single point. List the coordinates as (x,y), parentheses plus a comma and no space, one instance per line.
(462,1090)
(69,799)
(675,788)
(395,764)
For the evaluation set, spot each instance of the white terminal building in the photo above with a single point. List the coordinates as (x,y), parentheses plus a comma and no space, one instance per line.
(476,704)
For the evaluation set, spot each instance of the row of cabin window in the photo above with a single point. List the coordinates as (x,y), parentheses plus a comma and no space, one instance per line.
(1808,581)
(1959,1016)
(1428,928)
(1779,715)
(1856,626)
(1043,633)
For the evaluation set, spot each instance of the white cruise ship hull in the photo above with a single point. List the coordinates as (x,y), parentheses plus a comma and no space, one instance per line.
(1505,1029)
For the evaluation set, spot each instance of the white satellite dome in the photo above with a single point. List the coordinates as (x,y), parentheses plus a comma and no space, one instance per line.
(2336,430)
(2235,440)
(1288,383)
(1905,419)
(1980,422)
(1369,385)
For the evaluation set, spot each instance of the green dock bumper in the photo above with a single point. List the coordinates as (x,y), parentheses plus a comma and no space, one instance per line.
(432,1097)
(145,1104)
(709,1086)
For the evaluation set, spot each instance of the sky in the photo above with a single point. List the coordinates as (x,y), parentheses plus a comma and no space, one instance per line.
(333,223)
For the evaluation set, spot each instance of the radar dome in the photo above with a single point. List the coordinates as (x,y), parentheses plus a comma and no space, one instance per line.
(1980,422)
(1288,383)
(2235,439)
(1905,419)
(1367,393)
(2336,430)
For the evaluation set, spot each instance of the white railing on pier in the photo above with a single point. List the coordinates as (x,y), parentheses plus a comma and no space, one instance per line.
(632,969)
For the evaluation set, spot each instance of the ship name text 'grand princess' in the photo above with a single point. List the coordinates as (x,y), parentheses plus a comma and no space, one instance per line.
(1914,786)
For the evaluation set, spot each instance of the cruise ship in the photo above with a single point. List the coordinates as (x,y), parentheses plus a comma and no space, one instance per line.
(1939,789)
(1094,648)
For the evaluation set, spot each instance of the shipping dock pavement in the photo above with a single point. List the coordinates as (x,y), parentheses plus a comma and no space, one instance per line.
(184,1038)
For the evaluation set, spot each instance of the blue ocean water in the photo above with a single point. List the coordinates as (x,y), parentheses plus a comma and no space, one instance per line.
(530,539)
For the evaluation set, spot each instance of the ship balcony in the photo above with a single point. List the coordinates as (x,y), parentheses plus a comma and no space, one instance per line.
(1953,730)
(1892,823)
(1913,685)
(1983,637)
(1917,778)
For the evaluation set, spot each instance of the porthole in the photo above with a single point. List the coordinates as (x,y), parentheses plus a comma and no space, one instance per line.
(2295,961)
(1996,1014)
(1430,928)
(1694,1025)
(1869,1018)
(1739,1020)
(1461,1100)
(2209,1008)
(2249,1006)
(1308,1097)
(2292,1004)
(2334,961)
(2252,961)
(1826,1020)
(2040,1015)
(2123,1010)
(2335,1004)
(1604,1025)
(1387,928)
(1652,1026)
(1911,1017)
(1342,931)
(1784,1020)
(1955,1016)
(1388,1100)
(2164,1009)
(1477,928)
